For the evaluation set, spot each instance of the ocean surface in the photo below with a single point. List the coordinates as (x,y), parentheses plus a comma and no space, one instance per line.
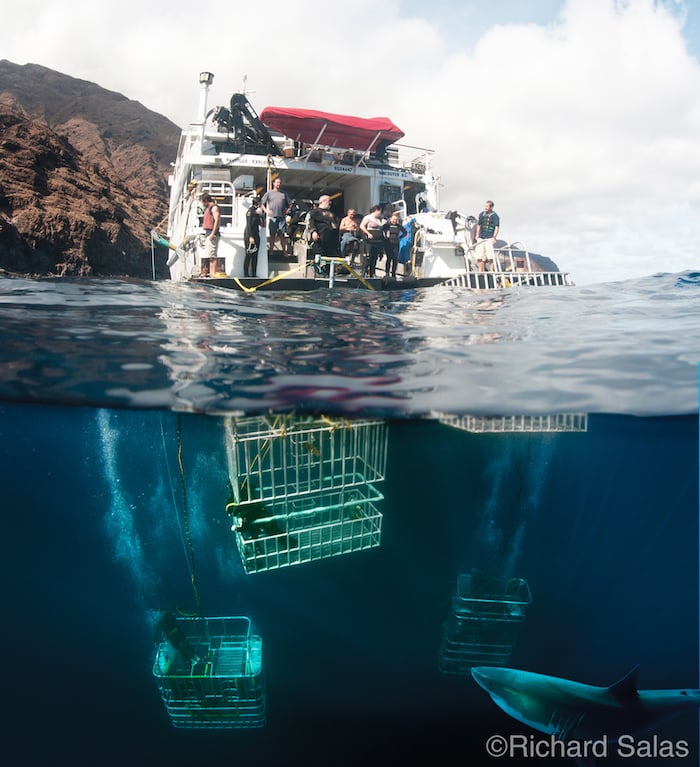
(115,397)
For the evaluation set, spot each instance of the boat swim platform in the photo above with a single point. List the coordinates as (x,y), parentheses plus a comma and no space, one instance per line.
(513,424)
(470,280)
(334,272)
(303,284)
(209,674)
(482,628)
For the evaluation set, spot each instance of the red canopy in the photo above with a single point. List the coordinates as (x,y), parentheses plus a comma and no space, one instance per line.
(340,130)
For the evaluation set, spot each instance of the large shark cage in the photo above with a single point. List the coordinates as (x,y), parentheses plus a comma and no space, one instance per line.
(209,673)
(484,622)
(304,488)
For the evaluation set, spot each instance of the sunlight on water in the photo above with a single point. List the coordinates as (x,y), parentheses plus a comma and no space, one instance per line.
(614,348)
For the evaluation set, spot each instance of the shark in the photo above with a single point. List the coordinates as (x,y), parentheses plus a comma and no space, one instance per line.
(571,710)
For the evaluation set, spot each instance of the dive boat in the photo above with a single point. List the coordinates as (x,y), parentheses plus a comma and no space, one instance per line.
(234,155)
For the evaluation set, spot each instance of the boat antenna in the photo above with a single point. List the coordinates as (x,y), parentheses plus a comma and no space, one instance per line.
(205,81)
(245,90)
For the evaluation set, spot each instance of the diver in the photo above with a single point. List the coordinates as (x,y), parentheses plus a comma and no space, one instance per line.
(173,634)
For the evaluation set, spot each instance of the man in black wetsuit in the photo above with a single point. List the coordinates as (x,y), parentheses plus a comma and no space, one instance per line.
(323,227)
(251,237)
(393,230)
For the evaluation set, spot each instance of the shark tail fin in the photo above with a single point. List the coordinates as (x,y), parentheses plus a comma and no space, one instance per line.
(626,688)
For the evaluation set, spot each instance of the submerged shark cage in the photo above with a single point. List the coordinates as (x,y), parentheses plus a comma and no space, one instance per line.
(559,422)
(484,623)
(303,488)
(209,674)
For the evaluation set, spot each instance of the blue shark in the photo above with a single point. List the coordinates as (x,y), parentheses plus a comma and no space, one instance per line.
(574,711)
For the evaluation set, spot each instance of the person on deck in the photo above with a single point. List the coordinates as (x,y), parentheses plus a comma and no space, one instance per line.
(323,228)
(251,237)
(276,203)
(349,236)
(371,227)
(393,230)
(211,221)
(487,227)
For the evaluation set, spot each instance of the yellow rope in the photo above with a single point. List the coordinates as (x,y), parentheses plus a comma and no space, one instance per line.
(271,280)
(298,268)
(347,266)
(333,424)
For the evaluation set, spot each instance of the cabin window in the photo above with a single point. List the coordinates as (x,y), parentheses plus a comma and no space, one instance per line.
(389,193)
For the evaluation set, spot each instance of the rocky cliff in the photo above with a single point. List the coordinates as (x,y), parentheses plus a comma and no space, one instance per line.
(83,176)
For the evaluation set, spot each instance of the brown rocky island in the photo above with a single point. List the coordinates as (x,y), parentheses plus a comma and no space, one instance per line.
(83,177)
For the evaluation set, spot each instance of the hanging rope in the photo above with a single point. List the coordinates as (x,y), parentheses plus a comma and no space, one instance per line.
(184,523)
(189,548)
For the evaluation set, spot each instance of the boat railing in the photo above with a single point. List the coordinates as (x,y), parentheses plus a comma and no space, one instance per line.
(403,156)
(416,159)
(188,140)
(187,218)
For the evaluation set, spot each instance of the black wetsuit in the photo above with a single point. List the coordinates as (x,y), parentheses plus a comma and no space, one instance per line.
(393,234)
(323,222)
(253,222)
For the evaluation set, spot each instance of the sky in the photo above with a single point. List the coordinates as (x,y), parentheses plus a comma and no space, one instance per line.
(579,118)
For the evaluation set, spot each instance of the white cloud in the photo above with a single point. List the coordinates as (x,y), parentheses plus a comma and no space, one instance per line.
(581,126)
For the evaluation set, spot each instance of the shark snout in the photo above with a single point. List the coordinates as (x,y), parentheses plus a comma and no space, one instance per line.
(485,676)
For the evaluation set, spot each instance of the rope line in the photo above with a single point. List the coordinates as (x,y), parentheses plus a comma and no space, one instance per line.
(189,548)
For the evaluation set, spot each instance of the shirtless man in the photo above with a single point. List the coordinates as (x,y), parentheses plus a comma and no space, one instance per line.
(349,235)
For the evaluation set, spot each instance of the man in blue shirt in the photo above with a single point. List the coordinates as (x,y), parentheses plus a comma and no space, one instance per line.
(486,234)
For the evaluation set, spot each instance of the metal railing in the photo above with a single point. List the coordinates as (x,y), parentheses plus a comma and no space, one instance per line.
(557,422)
(510,279)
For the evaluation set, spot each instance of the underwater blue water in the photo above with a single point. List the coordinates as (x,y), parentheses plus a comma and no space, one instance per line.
(97,381)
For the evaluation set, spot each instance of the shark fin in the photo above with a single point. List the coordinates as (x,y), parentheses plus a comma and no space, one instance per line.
(626,688)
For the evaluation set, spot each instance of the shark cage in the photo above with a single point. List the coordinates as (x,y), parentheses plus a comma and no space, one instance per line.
(485,620)
(304,488)
(209,673)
